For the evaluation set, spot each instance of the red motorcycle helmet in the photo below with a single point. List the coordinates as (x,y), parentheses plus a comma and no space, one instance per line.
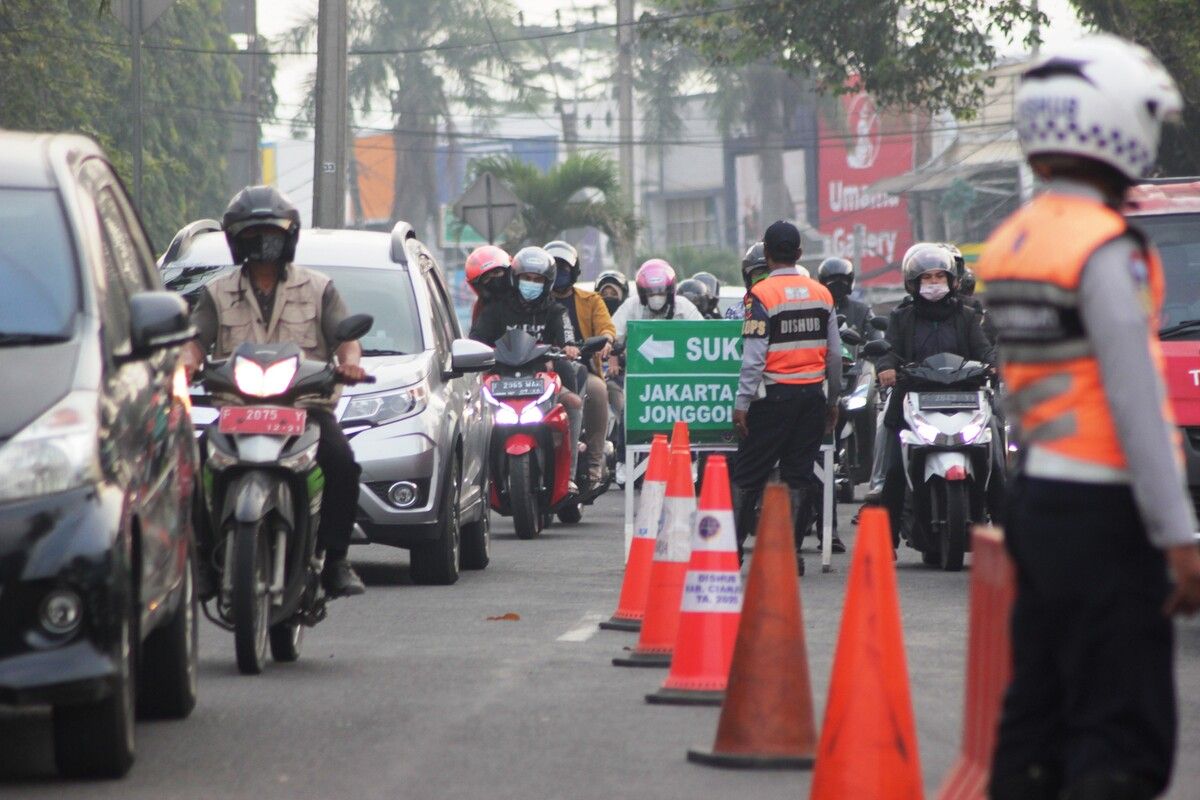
(484,260)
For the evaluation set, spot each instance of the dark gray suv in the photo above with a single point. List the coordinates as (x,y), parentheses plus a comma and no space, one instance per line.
(421,431)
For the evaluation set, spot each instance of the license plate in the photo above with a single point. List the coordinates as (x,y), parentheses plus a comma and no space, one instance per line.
(948,400)
(518,387)
(265,420)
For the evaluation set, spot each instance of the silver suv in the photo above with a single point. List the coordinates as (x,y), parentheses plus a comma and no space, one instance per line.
(421,431)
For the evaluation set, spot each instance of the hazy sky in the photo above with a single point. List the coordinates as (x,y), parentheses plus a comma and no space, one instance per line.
(276,16)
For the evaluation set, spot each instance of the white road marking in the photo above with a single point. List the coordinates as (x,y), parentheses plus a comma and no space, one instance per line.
(585,630)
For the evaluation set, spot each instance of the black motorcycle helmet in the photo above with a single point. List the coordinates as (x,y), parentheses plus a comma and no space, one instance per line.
(754,260)
(837,275)
(960,263)
(966,284)
(251,221)
(714,288)
(696,292)
(566,259)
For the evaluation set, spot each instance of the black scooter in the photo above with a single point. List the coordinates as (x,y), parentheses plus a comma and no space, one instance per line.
(263,491)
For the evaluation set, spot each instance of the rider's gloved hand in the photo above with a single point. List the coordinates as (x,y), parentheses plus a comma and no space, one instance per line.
(351,373)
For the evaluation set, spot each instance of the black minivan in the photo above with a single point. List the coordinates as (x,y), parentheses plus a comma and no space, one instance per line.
(97,459)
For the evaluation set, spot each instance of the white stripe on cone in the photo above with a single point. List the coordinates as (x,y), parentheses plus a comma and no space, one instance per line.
(650,514)
(714,531)
(675,530)
(713,592)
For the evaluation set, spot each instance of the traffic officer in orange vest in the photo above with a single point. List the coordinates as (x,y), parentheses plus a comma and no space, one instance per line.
(1098,509)
(783,407)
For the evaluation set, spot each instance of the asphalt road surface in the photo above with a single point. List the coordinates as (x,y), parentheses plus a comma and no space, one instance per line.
(412,692)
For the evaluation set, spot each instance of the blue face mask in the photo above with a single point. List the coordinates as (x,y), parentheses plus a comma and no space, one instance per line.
(530,290)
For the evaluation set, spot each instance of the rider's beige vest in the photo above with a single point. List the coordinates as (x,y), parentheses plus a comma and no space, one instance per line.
(296,316)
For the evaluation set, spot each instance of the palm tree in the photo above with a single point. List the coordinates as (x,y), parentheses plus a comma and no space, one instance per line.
(581,191)
(425,61)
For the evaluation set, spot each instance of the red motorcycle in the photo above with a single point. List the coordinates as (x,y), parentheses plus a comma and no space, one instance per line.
(530,455)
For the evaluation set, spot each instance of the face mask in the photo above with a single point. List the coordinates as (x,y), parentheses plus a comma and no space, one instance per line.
(612,304)
(530,290)
(657,302)
(934,291)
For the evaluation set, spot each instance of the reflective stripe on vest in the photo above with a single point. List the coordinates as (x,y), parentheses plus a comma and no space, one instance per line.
(1032,266)
(799,309)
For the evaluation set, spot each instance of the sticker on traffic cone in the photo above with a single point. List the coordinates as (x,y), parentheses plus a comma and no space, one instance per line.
(989,665)
(681,439)
(712,600)
(767,719)
(631,606)
(672,550)
(868,741)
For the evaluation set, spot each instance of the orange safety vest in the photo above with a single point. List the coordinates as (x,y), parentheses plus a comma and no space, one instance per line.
(1032,266)
(799,309)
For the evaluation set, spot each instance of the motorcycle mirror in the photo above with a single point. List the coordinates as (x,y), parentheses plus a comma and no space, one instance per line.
(851,336)
(879,323)
(841,320)
(879,347)
(593,344)
(354,327)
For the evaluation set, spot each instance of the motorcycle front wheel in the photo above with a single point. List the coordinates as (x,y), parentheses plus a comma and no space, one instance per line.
(522,496)
(951,510)
(251,603)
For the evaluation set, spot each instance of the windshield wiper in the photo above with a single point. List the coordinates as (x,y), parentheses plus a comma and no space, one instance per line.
(384,353)
(1186,325)
(18,339)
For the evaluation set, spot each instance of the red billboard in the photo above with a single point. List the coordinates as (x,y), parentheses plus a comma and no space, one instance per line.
(872,146)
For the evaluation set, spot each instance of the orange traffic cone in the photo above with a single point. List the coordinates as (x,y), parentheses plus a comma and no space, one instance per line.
(672,550)
(868,742)
(989,665)
(767,719)
(712,600)
(631,606)
(681,438)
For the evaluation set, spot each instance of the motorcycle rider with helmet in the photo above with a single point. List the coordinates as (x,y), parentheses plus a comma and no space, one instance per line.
(529,305)
(837,275)
(967,290)
(250,304)
(714,290)
(656,298)
(487,272)
(1099,520)
(936,321)
(589,317)
(698,293)
(613,288)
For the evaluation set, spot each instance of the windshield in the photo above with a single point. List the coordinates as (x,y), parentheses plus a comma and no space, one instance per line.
(1177,237)
(39,286)
(385,294)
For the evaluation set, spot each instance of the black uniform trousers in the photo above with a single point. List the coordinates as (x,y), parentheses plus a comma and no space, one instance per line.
(1093,690)
(339,501)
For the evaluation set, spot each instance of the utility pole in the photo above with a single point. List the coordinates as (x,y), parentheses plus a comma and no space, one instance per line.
(251,93)
(135,39)
(1037,27)
(625,98)
(329,152)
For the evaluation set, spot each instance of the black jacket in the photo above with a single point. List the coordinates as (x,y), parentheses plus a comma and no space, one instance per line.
(546,321)
(857,313)
(972,343)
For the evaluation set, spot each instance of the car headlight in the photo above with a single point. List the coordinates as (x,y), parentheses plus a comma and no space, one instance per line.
(384,407)
(56,452)
(253,380)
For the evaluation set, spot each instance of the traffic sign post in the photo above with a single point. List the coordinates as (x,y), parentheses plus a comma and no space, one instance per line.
(488,206)
(685,370)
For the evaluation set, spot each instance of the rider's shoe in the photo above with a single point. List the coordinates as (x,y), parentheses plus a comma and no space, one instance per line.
(838,546)
(340,579)
(619,473)
(572,488)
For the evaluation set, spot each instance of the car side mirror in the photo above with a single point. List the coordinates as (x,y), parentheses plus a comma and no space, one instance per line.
(158,320)
(877,348)
(354,327)
(879,323)
(468,355)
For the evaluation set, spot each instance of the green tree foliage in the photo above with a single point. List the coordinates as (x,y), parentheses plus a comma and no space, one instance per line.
(908,53)
(65,66)
(1171,30)
(581,191)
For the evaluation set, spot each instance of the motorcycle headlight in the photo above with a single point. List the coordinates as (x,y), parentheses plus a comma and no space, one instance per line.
(253,380)
(856,401)
(532,414)
(505,415)
(300,462)
(56,452)
(385,407)
(971,431)
(218,459)
(927,432)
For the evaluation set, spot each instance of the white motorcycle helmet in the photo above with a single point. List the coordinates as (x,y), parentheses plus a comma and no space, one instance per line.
(1101,98)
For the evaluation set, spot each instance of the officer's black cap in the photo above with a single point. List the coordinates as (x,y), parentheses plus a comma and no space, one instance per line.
(782,242)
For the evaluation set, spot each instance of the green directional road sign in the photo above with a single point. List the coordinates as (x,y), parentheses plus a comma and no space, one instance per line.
(680,370)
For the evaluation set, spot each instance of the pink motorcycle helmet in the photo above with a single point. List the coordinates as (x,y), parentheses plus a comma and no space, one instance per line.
(655,276)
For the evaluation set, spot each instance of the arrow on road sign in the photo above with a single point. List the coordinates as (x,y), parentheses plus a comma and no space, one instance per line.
(652,349)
